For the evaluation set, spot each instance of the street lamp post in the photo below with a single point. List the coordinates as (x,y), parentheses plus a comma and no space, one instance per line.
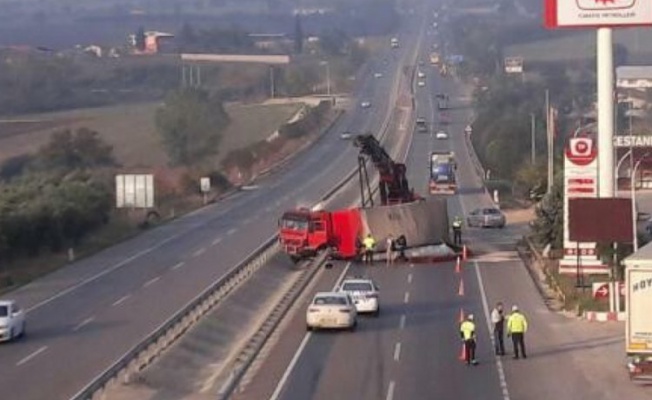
(620,162)
(633,194)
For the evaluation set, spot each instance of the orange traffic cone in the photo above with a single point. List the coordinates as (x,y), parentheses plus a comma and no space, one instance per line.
(461,315)
(460,291)
(465,254)
(463,353)
(458,266)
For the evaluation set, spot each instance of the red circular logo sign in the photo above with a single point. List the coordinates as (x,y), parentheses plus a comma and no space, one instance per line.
(581,151)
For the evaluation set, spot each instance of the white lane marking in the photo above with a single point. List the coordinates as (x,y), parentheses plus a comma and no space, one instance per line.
(231,231)
(295,358)
(199,252)
(410,278)
(485,306)
(106,271)
(390,391)
(151,281)
(406,298)
(31,356)
(397,351)
(177,266)
(216,241)
(401,324)
(84,322)
(121,300)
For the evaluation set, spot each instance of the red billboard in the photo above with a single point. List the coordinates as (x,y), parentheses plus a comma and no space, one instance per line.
(597,13)
(604,220)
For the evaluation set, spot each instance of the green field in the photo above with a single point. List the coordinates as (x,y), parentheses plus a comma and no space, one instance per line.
(582,46)
(131,131)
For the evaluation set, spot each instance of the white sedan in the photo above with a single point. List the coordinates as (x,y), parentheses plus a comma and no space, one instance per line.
(365,104)
(346,135)
(441,135)
(12,320)
(364,293)
(331,310)
(421,83)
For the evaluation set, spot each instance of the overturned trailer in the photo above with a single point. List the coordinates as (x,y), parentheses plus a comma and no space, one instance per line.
(303,233)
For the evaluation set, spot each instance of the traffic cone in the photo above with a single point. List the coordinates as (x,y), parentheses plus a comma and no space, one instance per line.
(463,353)
(465,254)
(458,266)
(461,315)
(460,291)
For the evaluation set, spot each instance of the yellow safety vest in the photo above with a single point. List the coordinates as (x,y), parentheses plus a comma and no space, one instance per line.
(516,323)
(369,243)
(467,328)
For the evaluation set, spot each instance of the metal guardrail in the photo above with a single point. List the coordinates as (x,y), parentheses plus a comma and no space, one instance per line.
(145,352)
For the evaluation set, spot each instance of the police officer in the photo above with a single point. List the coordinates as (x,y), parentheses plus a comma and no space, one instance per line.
(457,231)
(516,327)
(498,321)
(401,245)
(467,332)
(369,244)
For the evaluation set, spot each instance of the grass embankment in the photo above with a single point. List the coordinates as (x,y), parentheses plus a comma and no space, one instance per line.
(131,130)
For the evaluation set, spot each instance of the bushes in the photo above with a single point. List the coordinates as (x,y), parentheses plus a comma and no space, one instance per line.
(40,212)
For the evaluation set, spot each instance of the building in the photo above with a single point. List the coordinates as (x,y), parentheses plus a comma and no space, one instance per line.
(634,77)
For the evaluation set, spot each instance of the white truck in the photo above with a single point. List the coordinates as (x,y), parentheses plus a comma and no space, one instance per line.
(393,43)
(638,325)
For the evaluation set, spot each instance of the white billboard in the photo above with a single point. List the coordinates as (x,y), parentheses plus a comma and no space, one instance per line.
(596,13)
(514,65)
(134,191)
(580,181)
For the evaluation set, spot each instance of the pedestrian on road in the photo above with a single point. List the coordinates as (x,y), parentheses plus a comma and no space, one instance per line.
(467,331)
(389,251)
(516,327)
(369,244)
(401,245)
(498,320)
(457,231)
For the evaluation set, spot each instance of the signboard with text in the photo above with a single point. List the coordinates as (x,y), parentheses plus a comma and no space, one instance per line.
(514,65)
(580,181)
(632,141)
(597,13)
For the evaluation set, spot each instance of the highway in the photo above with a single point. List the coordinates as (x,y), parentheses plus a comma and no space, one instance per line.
(411,350)
(85,316)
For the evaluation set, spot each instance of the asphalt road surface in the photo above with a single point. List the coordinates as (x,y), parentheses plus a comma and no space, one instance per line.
(85,316)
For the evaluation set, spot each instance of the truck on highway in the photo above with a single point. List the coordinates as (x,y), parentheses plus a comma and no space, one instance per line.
(638,326)
(434,58)
(305,232)
(422,125)
(393,42)
(442,173)
(442,101)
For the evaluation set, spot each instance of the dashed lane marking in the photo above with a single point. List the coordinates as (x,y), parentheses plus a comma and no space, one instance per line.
(390,391)
(216,241)
(406,298)
(177,266)
(83,323)
(151,281)
(401,323)
(199,252)
(397,351)
(31,356)
(121,300)
(409,279)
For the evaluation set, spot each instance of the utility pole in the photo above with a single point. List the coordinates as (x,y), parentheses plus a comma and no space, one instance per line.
(533,138)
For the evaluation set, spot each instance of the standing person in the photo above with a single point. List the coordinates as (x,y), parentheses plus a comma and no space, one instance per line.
(516,327)
(498,320)
(369,244)
(401,245)
(389,251)
(467,331)
(457,231)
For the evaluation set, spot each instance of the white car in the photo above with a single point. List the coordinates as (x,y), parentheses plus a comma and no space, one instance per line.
(364,293)
(331,310)
(346,135)
(421,83)
(420,74)
(378,75)
(12,320)
(441,135)
(365,104)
